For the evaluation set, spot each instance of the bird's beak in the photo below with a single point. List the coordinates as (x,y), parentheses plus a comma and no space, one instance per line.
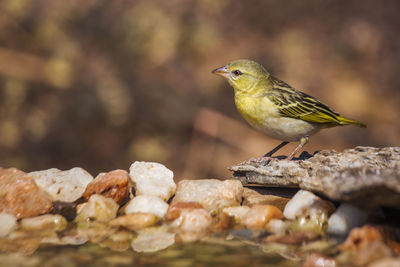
(222,71)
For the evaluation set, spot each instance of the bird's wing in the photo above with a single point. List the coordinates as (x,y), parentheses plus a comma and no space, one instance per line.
(295,104)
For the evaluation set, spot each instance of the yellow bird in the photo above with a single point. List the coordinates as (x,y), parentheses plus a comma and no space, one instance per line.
(275,108)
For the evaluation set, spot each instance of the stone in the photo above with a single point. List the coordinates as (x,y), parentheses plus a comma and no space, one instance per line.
(306,203)
(366,176)
(71,237)
(212,194)
(20,246)
(174,210)
(259,215)
(65,186)
(153,239)
(135,221)
(44,222)
(20,196)
(98,208)
(345,218)
(237,212)
(113,184)
(65,209)
(277,226)
(252,197)
(118,241)
(317,260)
(147,204)
(367,244)
(8,223)
(192,224)
(150,178)
(309,212)
(386,262)
(222,222)
(94,230)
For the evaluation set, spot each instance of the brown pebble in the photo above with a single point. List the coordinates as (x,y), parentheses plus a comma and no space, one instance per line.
(174,210)
(259,215)
(20,196)
(113,184)
(252,197)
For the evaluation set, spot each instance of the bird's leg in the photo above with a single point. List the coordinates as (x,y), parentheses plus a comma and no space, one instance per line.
(269,154)
(303,141)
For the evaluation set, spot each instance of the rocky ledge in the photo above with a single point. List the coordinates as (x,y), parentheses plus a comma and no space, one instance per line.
(363,175)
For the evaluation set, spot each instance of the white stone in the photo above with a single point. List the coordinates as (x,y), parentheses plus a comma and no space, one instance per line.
(152,178)
(277,226)
(65,186)
(305,203)
(192,224)
(345,218)
(147,204)
(237,212)
(99,208)
(44,222)
(8,223)
(212,194)
(152,240)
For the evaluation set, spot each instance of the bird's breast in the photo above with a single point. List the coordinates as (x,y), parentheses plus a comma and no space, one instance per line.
(264,116)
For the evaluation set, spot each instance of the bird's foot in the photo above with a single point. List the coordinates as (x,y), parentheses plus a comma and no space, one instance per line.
(257,160)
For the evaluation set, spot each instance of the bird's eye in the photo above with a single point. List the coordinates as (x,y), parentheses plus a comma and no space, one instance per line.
(237,72)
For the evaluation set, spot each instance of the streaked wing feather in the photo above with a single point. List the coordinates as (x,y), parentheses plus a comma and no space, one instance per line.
(295,104)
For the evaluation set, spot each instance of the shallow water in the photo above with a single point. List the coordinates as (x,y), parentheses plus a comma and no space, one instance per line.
(193,254)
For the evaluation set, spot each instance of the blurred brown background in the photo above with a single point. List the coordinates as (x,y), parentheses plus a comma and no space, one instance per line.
(100,84)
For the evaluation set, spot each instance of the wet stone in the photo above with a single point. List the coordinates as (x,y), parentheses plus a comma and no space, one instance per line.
(369,243)
(175,209)
(65,209)
(277,226)
(315,260)
(8,223)
(306,203)
(309,212)
(151,178)
(252,197)
(152,240)
(259,215)
(113,184)
(345,218)
(20,196)
(135,221)
(65,186)
(94,231)
(192,224)
(211,194)
(44,222)
(147,204)
(98,208)
(237,212)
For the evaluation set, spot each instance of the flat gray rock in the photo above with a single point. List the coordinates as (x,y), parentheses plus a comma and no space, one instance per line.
(367,176)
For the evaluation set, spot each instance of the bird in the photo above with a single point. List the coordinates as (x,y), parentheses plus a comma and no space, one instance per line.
(275,108)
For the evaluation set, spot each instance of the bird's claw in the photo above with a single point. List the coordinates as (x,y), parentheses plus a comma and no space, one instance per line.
(256,160)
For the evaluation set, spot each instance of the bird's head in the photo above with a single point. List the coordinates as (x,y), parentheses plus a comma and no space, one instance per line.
(243,75)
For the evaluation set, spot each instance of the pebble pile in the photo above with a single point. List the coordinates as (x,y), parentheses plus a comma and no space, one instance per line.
(145,210)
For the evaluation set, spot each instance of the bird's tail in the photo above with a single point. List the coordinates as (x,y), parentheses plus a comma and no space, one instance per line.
(345,121)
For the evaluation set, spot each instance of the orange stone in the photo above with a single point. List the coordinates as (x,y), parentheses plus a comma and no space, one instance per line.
(259,215)
(113,184)
(20,196)
(175,209)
